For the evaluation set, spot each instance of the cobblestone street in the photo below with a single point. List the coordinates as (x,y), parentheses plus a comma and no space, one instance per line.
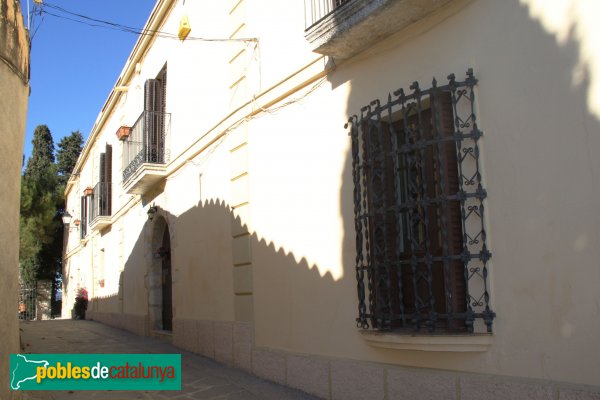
(202,378)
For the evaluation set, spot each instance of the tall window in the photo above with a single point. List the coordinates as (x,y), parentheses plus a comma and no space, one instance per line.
(101,198)
(155,95)
(147,142)
(84,216)
(422,260)
(105,184)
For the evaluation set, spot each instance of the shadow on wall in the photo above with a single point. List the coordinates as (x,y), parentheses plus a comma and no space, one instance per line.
(294,308)
(524,86)
(206,286)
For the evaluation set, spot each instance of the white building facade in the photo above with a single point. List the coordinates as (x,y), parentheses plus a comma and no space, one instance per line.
(358,199)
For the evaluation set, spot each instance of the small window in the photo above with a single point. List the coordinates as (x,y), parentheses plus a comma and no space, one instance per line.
(422,259)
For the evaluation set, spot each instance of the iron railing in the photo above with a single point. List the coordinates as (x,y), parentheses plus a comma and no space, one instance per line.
(316,10)
(27,303)
(147,142)
(101,200)
(422,259)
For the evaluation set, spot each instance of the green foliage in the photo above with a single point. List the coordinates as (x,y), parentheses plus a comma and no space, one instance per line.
(42,203)
(40,166)
(67,154)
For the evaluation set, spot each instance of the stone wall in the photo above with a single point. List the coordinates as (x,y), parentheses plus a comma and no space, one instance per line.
(232,343)
(14,91)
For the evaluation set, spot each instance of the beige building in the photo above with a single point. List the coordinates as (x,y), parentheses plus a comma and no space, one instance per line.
(360,199)
(14,94)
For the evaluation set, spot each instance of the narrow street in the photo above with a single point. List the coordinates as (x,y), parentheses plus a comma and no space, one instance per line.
(201,378)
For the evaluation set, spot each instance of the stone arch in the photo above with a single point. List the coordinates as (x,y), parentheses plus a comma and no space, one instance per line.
(154,278)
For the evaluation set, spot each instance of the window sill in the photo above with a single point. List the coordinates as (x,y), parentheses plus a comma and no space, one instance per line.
(448,343)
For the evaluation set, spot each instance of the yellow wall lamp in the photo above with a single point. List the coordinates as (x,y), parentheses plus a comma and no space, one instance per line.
(184,27)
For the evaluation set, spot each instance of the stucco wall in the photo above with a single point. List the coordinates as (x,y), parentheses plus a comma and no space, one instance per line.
(14,92)
(283,258)
(538,131)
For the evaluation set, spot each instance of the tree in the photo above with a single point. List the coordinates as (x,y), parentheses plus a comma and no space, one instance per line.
(69,149)
(41,197)
(38,227)
(42,203)
(40,166)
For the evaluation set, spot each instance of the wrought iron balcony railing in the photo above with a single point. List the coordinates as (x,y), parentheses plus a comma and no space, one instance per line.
(100,201)
(316,10)
(147,142)
(343,28)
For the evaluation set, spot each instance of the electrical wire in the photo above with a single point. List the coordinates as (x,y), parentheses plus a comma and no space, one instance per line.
(95,22)
(33,25)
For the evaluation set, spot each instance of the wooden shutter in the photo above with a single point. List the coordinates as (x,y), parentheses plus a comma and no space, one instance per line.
(154,119)
(99,199)
(82,216)
(381,223)
(152,106)
(163,79)
(450,175)
(108,179)
(435,163)
(102,167)
(153,95)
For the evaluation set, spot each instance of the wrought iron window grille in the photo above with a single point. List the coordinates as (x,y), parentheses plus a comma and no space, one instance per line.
(422,260)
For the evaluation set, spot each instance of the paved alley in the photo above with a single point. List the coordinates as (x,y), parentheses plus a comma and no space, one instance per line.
(202,378)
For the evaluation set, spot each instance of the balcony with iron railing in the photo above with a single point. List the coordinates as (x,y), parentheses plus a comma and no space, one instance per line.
(146,152)
(100,206)
(343,28)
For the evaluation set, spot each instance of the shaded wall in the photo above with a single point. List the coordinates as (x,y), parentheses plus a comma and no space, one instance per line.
(291,250)
(14,90)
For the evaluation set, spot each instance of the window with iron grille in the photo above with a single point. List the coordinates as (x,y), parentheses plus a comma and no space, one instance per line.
(422,258)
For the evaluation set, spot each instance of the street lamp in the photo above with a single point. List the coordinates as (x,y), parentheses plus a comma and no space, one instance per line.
(151,212)
(66,218)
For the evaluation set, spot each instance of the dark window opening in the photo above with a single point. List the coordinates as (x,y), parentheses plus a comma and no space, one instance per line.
(84,217)
(102,194)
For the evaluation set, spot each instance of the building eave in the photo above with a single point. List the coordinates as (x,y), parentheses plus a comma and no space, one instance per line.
(158,16)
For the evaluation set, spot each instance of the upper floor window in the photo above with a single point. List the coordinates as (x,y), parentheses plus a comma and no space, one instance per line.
(422,258)
(84,216)
(101,199)
(147,142)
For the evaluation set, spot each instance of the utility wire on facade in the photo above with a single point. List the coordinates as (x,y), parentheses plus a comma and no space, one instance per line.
(95,22)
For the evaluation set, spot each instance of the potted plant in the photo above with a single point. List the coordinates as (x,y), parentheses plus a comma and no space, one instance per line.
(123,132)
(81,303)
(88,191)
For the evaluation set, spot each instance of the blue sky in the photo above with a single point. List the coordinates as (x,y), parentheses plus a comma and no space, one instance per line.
(74,66)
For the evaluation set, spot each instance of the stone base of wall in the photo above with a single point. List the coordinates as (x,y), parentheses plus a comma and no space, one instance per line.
(232,343)
(229,343)
(352,380)
(137,324)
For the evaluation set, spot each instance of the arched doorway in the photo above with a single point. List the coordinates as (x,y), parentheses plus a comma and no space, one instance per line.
(159,280)
(167,282)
